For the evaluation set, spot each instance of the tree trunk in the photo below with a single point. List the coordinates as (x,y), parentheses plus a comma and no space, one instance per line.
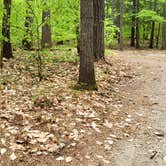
(151,45)
(121,25)
(137,27)
(113,11)
(86,71)
(98,8)
(144,33)
(158,36)
(164,29)
(27,43)
(132,42)
(46,28)
(152,35)
(6,43)
(78,38)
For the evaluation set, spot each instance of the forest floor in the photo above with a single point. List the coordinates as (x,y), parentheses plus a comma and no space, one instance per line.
(51,124)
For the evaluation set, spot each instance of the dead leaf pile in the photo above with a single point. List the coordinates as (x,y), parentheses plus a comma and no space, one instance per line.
(51,117)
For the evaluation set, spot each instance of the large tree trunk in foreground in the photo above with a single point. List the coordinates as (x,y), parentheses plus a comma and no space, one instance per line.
(86,71)
(99,12)
(27,43)
(164,29)
(46,28)
(6,44)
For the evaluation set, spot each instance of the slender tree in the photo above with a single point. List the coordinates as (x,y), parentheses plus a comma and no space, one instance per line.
(137,26)
(121,25)
(27,42)
(46,28)
(6,43)
(151,45)
(113,11)
(132,41)
(158,36)
(98,29)
(86,71)
(164,29)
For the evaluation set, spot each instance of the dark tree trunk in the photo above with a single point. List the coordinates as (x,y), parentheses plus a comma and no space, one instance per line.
(164,29)
(6,43)
(121,25)
(86,71)
(132,42)
(137,27)
(152,35)
(158,36)
(78,39)
(98,7)
(27,43)
(113,11)
(144,33)
(46,28)
(151,45)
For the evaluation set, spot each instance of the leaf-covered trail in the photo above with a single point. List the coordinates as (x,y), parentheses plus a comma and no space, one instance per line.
(50,124)
(148,148)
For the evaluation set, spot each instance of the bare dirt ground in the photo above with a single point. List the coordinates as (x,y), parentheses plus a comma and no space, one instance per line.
(148,148)
(50,124)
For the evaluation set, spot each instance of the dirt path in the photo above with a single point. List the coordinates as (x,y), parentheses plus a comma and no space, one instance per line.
(148,148)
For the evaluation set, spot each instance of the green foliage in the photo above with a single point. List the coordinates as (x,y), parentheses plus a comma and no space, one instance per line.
(18,13)
(149,15)
(64,19)
(110,31)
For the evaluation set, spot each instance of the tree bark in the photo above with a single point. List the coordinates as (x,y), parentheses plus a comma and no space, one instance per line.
(132,42)
(151,45)
(46,28)
(98,8)
(164,29)
(6,43)
(121,25)
(27,43)
(78,38)
(86,71)
(152,35)
(113,11)
(158,36)
(137,27)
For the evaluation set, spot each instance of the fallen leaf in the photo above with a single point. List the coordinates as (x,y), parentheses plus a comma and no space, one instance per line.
(52,147)
(60,158)
(94,126)
(164,158)
(159,133)
(13,156)
(68,159)
(108,124)
(15,146)
(3,151)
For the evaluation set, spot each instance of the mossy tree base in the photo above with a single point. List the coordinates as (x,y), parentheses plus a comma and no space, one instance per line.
(84,86)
